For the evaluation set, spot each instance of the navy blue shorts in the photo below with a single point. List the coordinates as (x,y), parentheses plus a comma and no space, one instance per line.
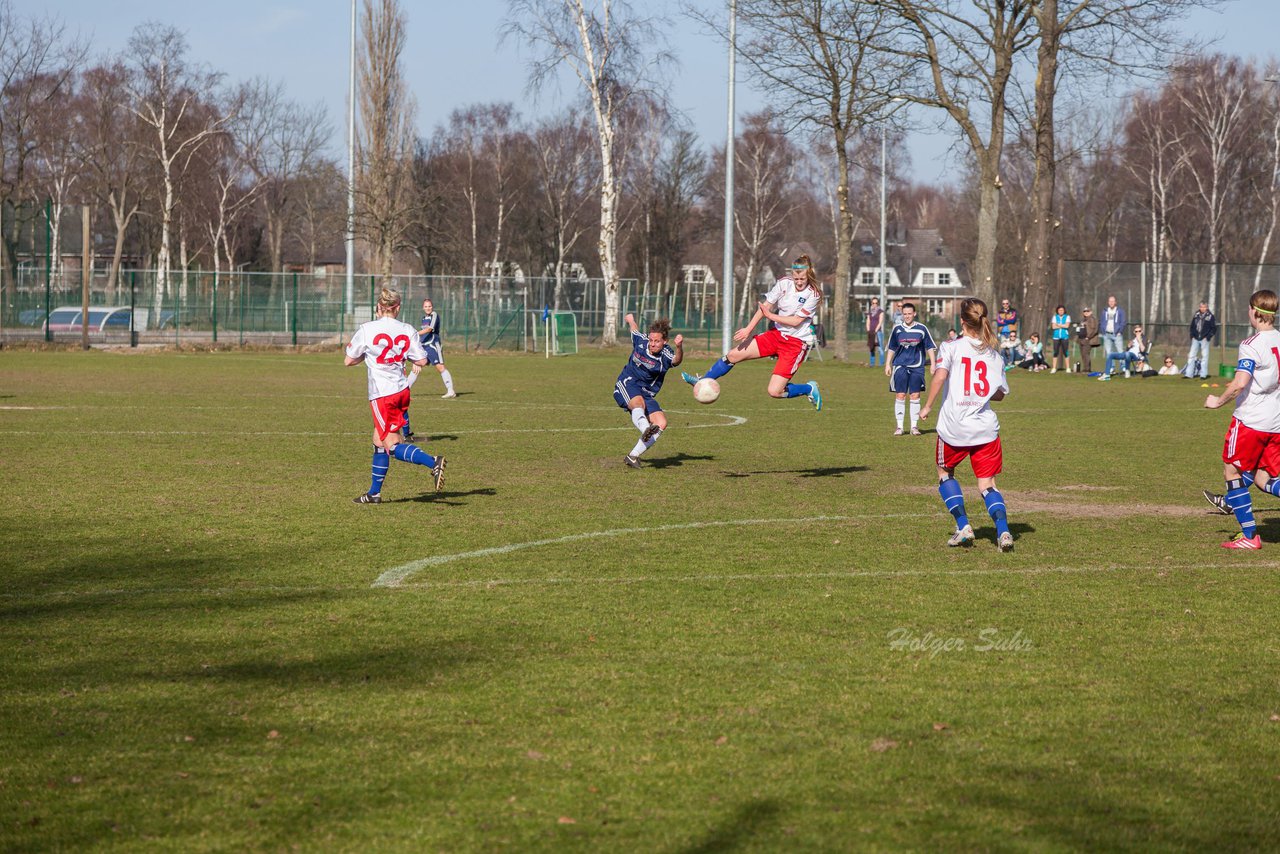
(435,354)
(622,394)
(907,380)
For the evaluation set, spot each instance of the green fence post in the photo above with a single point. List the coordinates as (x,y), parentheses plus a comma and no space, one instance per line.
(133,311)
(294,317)
(215,306)
(48,269)
(373,300)
(240,287)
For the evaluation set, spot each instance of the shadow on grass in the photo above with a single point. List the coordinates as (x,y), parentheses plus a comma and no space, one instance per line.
(441,437)
(840,471)
(445,497)
(737,831)
(988,532)
(678,460)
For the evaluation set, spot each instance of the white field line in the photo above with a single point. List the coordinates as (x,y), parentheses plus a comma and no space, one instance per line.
(482,584)
(396,575)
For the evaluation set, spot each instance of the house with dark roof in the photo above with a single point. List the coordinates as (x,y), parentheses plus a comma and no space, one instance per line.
(918,268)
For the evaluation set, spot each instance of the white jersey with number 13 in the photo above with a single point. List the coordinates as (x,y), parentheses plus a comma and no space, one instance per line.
(974,373)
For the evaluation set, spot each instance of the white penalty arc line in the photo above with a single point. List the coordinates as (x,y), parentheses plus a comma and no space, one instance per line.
(395,576)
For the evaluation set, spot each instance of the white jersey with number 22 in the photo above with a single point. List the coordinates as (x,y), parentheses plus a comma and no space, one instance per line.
(974,373)
(385,343)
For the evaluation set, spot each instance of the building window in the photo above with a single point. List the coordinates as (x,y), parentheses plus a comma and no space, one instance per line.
(944,279)
(868,277)
(934,307)
(926,278)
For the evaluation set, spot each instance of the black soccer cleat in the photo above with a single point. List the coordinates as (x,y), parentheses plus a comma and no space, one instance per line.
(437,473)
(368,499)
(650,432)
(631,461)
(409,436)
(1218,501)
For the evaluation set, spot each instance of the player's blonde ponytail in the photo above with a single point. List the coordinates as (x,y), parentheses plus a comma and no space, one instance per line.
(388,302)
(973,318)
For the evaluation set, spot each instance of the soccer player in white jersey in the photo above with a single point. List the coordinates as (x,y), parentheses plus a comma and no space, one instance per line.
(791,305)
(1251,450)
(970,376)
(383,345)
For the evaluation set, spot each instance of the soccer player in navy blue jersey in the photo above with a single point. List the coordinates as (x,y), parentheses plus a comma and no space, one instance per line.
(909,344)
(641,378)
(429,337)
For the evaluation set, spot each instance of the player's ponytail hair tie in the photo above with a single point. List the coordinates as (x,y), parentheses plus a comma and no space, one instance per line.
(388,299)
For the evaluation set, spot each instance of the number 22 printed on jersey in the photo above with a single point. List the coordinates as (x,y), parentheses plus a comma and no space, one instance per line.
(393,350)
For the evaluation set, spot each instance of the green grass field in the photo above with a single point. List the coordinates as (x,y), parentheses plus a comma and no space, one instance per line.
(703,655)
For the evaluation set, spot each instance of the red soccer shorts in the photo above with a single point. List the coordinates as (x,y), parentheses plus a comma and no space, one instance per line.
(987,460)
(389,412)
(790,351)
(1249,450)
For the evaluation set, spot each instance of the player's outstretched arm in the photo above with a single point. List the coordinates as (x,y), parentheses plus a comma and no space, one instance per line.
(630,320)
(745,332)
(1231,392)
(939,380)
(678,343)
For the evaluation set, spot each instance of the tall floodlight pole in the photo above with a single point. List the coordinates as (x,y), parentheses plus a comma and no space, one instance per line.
(349,299)
(726,295)
(884,144)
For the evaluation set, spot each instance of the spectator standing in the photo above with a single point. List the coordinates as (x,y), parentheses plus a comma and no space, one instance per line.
(1087,333)
(1061,325)
(1112,326)
(1204,327)
(1007,331)
(875,329)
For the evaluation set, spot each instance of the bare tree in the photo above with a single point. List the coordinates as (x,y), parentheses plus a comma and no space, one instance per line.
(1268,187)
(567,175)
(37,59)
(604,47)
(58,160)
(169,96)
(1214,92)
(817,59)
(385,138)
(967,52)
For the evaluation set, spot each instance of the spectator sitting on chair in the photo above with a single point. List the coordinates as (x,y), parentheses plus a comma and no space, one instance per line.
(1034,350)
(1204,327)
(1010,350)
(1134,356)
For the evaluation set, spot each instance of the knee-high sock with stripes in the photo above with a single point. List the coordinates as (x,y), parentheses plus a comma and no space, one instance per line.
(995,506)
(381,462)
(719,369)
(639,419)
(642,446)
(953,498)
(413,454)
(1271,487)
(1241,505)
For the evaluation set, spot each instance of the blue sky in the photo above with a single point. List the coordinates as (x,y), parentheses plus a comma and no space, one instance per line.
(454,58)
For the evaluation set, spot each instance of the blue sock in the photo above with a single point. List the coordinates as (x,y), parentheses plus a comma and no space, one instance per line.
(719,369)
(380,464)
(798,389)
(1238,500)
(953,497)
(995,506)
(406,430)
(1247,477)
(413,454)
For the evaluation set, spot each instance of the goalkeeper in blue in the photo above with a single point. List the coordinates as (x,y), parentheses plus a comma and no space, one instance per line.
(641,379)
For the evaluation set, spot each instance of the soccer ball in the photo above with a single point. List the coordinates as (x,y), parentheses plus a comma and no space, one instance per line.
(706,391)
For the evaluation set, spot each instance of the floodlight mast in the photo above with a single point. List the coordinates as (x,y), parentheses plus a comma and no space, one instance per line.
(726,286)
(350,294)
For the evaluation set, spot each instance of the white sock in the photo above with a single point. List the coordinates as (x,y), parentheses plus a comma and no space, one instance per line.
(899,411)
(641,447)
(638,418)
(915,413)
(448,380)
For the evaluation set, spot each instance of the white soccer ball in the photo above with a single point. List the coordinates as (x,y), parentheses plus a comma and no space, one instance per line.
(706,391)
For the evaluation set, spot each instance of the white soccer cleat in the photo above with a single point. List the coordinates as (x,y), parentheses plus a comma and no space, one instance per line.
(962,537)
(447,395)
(1005,543)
